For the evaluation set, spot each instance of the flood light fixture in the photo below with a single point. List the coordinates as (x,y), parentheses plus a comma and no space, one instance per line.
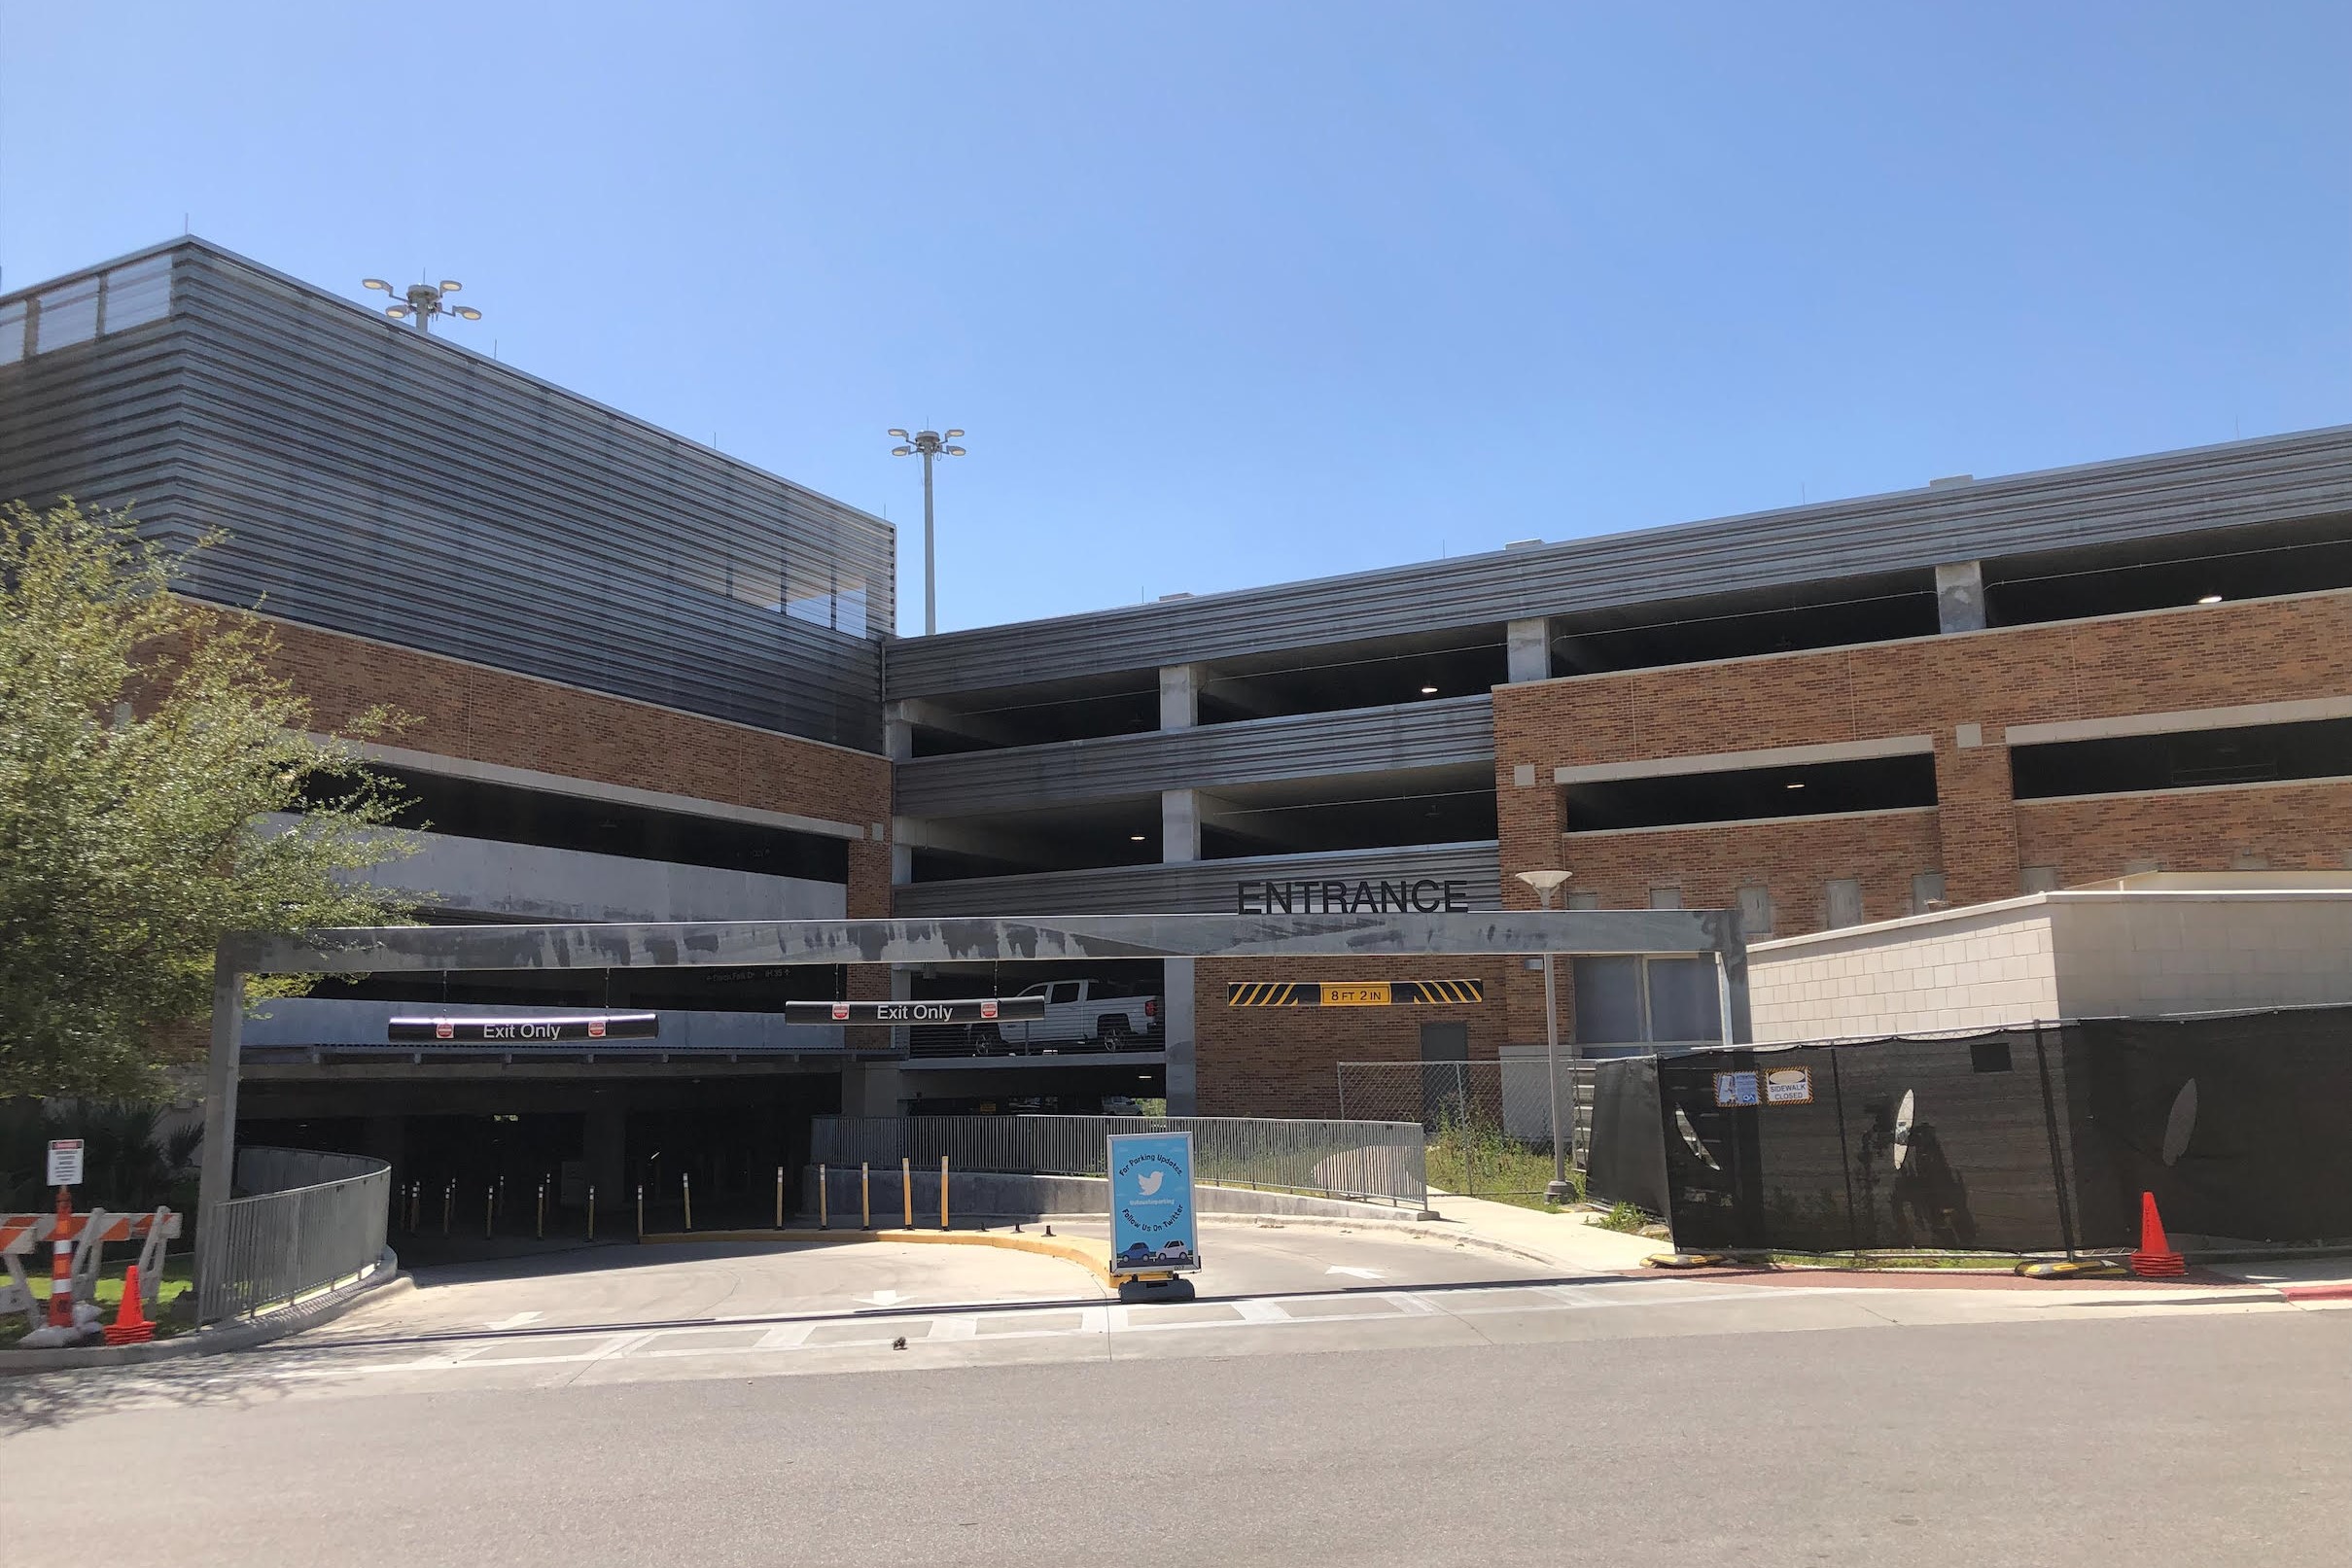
(424,301)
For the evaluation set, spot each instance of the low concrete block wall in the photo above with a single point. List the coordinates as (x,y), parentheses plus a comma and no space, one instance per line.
(998,1196)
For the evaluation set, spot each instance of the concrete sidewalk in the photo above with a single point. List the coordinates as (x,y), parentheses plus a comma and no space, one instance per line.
(1569,1242)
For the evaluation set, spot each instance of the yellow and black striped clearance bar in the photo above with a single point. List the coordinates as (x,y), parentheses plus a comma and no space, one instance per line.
(1355,993)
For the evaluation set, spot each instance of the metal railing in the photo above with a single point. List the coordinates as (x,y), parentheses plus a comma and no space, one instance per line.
(1380,1161)
(315,1221)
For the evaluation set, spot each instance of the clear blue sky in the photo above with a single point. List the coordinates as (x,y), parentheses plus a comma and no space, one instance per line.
(1235,294)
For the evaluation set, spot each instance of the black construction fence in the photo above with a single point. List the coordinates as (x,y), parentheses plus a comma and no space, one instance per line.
(2031,1140)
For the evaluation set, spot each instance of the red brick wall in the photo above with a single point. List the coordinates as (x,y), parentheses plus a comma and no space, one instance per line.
(2205,656)
(1283,1061)
(2290,827)
(462,710)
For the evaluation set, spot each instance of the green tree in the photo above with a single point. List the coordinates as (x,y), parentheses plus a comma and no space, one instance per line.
(144,739)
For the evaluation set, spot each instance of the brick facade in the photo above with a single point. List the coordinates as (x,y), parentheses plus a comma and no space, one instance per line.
(460,709)
(1977,835)
(1283,1062)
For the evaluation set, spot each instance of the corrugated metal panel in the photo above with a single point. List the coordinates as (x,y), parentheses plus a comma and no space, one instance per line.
(1202,887)
(2244,482)
(1301,746)
(374,481)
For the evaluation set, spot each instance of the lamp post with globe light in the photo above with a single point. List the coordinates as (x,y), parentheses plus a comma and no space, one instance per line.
(425,301)
(1547,885)
(929,445)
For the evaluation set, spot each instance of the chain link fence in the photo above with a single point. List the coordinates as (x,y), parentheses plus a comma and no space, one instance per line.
(1379,1161)
(1487,1126)
(316,1221)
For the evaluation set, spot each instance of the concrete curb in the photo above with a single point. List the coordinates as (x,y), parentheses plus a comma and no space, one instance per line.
(208,1341)
(1433,1230)
(1439,1230)
(1047,1247)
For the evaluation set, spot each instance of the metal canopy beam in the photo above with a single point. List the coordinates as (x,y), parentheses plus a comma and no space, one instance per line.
(376,950)
(389,948)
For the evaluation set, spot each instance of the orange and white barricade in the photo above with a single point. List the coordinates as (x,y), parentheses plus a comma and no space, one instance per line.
(21,1234)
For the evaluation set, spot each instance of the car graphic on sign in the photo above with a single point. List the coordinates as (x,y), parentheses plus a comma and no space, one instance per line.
(1136,1252)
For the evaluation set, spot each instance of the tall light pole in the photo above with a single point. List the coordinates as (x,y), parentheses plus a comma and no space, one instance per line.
(929,445)
(1547,883)
(424,302)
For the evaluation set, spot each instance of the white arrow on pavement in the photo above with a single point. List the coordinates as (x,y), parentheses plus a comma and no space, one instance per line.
(883,1298)
(1360,1273)
(514,1322)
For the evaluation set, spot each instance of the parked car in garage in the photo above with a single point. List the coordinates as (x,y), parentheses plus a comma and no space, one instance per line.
(1103,1015)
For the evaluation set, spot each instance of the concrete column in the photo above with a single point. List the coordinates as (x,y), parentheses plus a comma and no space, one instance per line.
(902,851)
(902,989)
(1179,826)
(1530,648)
(605,1147)
(872,1089)
(1177,1017)
(1960,597)
(1179,696)
(898,732)
(384,1137)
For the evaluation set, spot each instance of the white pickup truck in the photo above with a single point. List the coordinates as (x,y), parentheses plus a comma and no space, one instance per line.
(1101,1014)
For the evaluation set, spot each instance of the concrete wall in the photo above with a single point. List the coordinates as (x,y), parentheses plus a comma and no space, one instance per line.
(2077,953)
(527,881)
(1974,968)
(2201,951)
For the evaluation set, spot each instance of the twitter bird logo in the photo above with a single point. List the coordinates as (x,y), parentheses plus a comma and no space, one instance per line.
(1150,1181)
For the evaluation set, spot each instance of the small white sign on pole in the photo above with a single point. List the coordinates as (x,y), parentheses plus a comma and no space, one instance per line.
(65,1161)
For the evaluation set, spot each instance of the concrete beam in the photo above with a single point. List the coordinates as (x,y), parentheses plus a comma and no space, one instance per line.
(530,882)
(1179,696)
(978,939)
(1960,597)
(1528,647)
(916,714)
(911,833)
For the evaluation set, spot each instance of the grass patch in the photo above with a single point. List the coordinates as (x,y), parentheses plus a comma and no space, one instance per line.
(1622,1217)
(178,1280)
(1475,1159)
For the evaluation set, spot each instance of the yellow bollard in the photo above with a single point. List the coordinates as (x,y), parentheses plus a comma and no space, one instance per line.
(943,1192)
(592,1212)
(685,1185)
(780,1198)
(821,1224)
(865,1195)
(906,1188)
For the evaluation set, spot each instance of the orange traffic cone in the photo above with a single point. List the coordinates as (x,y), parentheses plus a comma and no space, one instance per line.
(2155,1259)
(131,1325)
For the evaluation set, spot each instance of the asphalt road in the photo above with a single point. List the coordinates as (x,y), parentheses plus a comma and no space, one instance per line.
(1414,1418)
